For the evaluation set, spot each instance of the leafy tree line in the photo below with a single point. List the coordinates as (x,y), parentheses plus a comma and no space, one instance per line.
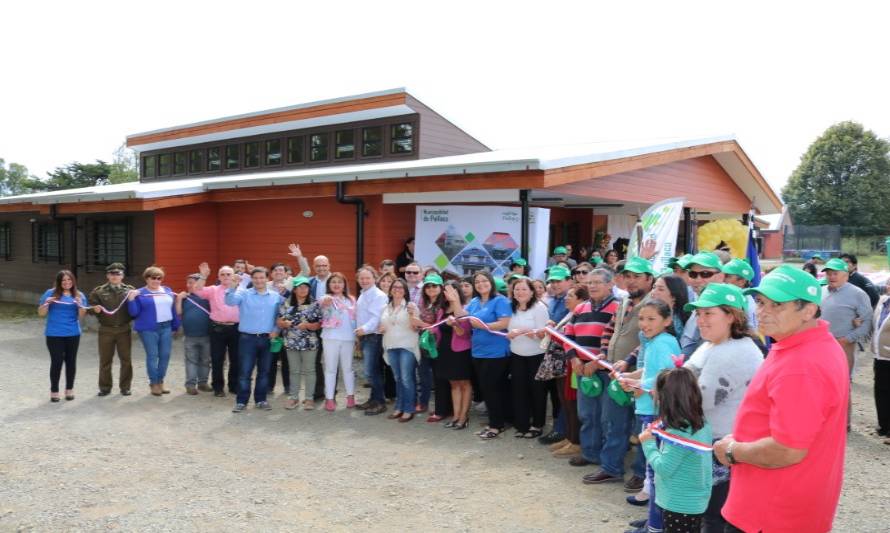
(843,179)
(15,178)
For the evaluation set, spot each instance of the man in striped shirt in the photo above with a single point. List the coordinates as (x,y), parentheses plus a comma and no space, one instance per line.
(586,328)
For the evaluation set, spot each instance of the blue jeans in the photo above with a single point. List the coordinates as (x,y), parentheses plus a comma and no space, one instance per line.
(372,356)
(253,351)
(157,343)
(639,463)
(425,372)
(604,429)
(403,366)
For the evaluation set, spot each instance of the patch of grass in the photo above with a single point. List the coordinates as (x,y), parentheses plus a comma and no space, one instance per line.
(14,311)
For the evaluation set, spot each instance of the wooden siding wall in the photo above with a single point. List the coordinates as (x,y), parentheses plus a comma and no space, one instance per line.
(583,218)
(701,180)
(260,232)
(23,275)
(439,137)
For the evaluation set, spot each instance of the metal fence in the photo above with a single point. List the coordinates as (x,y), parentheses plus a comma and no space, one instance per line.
(805,241)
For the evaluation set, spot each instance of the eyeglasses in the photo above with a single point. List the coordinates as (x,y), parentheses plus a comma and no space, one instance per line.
(585,272)
(705,274)
(412,272)
(115,273)
(156,277)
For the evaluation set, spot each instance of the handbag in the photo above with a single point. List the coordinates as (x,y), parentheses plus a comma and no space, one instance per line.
(553,365)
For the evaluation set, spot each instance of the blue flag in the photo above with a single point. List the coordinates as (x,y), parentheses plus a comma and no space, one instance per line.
(751,257)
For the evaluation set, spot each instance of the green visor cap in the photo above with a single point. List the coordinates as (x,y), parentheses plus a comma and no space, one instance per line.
(619,395)
(433,279)
(787,283)
(558,273)
(836,264)
(717,294)
(639,265)
(705,259)
(596,261)
(740,268)
(500,284)
(560,250)
(520,261)
(683,261)
(299,280)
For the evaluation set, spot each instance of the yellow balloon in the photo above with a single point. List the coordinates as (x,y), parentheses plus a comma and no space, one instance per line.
(727,230)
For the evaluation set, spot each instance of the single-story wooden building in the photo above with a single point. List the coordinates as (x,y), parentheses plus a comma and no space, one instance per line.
(342,177)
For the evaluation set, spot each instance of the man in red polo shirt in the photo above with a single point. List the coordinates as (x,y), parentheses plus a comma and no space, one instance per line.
(787,447)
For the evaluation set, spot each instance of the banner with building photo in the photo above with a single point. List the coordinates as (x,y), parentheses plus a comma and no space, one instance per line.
(466,239)
(660,222)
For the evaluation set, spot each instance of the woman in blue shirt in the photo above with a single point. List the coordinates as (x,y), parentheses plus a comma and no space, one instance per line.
(63,306)
(490,352)
(154,308)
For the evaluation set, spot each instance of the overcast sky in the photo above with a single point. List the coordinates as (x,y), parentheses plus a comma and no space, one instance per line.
(77,79)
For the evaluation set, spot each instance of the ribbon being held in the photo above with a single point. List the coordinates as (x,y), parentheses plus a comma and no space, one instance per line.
(657,428)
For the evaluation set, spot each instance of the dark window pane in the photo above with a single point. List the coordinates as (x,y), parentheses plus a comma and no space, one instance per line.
(345,144)
(196,161)
(273,152)
(251,155)
(318,147)
(165,164)
(231,156)
(402,138)
(179,163)
(372,141)
(49,244)
(149,168)
(295,150)
(214,161)
(6,241)
(110,243)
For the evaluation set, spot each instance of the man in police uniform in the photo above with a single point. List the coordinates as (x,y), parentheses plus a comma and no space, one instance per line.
(114,329)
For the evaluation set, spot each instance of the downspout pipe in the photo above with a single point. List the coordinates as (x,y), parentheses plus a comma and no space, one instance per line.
(53,215)
(359,222)
(523,199)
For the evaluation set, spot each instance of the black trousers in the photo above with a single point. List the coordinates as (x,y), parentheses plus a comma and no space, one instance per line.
(224,339)
(318,394)
(712,520)
(442,392)
(681,523)
(62,352)
(492,374)
(882,394)
(285,370)
(529,394)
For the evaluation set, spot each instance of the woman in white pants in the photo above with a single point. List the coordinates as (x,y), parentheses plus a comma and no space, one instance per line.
(338,332)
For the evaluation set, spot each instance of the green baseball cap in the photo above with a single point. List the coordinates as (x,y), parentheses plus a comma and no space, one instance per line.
(836,264)
(560,250)
(299,280)
(666,272)
(740,268)
(433,279)
(705,259)
(717,294)
(683,261)
(558,273)
(590,386)
(823,281)
(639,265)
(519,261)
(619,395)
(499,284)
(787,283)
(596,260)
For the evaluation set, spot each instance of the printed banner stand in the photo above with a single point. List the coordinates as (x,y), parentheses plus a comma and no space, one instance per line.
(661,223)
(466,239)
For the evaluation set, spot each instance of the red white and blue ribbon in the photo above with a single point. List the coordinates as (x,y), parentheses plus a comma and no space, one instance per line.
(657,429)
(102,307)
(196,304)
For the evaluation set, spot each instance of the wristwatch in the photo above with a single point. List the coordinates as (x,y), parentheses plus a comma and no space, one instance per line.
(729,456)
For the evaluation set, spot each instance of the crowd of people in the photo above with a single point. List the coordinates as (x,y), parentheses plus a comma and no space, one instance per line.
(670,367)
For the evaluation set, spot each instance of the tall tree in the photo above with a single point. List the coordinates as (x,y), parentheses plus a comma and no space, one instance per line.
(76,175)
(123,167)
(15,179)
(843,179)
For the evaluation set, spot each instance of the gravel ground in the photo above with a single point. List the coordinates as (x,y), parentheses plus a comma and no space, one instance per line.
(182,462)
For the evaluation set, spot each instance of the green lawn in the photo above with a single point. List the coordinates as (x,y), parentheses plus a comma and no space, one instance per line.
(12,311)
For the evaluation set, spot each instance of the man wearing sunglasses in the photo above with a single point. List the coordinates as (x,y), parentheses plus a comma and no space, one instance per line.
(413,277)
(701,269)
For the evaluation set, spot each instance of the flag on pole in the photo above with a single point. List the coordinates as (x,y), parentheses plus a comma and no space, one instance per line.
(751,255)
